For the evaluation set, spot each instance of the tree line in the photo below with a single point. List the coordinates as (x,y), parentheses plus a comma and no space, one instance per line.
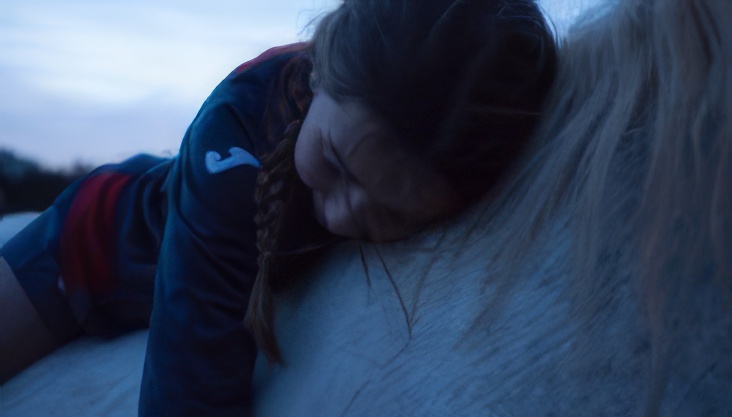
(25,185)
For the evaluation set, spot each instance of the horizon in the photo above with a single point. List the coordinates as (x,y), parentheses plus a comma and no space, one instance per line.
(87,83)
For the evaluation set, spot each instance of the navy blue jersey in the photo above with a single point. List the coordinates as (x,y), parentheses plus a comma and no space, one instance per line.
(183,226)
(200,358)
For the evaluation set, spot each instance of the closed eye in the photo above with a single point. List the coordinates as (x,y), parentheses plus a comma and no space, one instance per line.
(329,162)
(350,187)
(336,161)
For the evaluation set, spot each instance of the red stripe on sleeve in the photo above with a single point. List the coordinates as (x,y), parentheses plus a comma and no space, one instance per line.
(89,235)
(272,52)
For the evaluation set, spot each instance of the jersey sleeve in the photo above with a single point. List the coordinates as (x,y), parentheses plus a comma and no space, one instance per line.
(200,359)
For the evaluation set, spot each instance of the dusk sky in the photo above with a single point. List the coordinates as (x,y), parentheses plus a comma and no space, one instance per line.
(96,81)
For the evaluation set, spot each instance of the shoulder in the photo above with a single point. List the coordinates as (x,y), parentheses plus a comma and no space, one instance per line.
(253,105)
(276,55)
(274,88)
(260,96)
(275,84)
(254,79)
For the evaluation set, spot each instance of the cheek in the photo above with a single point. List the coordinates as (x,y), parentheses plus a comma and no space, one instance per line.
(352,215)
(310,164)
(302,156)
(342,212)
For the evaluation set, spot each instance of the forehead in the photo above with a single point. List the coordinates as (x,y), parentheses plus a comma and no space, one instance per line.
(372,155)
(357,131)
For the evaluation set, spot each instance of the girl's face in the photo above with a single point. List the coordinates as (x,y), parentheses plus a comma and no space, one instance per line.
(364,184)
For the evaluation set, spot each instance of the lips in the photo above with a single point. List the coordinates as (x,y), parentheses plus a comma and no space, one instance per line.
(319,206)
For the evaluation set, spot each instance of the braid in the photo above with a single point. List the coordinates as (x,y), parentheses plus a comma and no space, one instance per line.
(287,231)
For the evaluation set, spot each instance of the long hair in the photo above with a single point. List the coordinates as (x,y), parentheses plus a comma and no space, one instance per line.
(442,75)
(288,235)
(635,152)
(461,82)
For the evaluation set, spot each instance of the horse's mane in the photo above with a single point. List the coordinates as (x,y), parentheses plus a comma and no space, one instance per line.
(596,281)
(634,158)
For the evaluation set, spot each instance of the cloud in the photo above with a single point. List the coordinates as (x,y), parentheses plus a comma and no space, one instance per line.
(59,131)
(115,52)
(98,81)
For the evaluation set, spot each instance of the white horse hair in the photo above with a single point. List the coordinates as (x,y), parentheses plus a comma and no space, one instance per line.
(598,281)
(640,156)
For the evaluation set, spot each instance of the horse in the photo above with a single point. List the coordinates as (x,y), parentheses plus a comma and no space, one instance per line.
(597,281)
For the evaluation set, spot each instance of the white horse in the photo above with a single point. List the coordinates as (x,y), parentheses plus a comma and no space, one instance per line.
(598,282)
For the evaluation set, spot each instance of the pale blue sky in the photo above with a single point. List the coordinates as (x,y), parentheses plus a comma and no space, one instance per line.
(99,80)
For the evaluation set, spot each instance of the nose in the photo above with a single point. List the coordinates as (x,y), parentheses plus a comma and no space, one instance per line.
(303,153)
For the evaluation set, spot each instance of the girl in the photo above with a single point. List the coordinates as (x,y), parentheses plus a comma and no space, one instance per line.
(396,115)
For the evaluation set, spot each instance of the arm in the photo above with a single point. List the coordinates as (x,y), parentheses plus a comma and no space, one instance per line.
(199,357)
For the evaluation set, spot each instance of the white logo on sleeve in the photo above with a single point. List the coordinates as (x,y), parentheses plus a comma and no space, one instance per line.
(215,163)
